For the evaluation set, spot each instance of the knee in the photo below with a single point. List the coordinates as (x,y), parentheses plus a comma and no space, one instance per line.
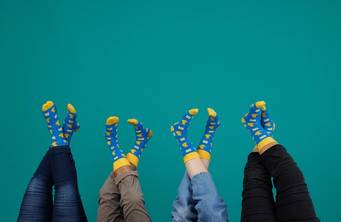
(183,210)
(133,198)
(104,193)
(36,185)
(67,190)
(213,210)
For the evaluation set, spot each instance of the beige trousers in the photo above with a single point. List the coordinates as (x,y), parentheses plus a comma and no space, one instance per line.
(121,199)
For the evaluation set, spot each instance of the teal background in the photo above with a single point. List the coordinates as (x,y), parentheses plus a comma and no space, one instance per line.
(154,59)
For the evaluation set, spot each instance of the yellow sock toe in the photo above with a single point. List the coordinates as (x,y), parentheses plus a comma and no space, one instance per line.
(211,112)
(71,108)
(133,121)
(260,104)
(47,105)
(112,120)
(193,111)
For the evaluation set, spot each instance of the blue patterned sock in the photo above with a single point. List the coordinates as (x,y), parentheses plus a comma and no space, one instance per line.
(206,143)
(267,122)
(70,123)
(119,159)
(252,121)
(142,137)
(179,130)
(53,124)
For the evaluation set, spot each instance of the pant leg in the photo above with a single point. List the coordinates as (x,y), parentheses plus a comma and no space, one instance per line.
(293,202)
(258,204)
(183,205)
(210,207)
(132,201)
(109,207)
(37,202)
(67,202)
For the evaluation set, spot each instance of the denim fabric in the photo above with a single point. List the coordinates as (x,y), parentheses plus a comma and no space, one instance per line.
(198,200)
(37,203)
(183,205)
(56,169)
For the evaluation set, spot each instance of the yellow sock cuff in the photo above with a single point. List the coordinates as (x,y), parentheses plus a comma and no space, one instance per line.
(120,163)
(132,159)
(265,143)
(190,156)
(204,154)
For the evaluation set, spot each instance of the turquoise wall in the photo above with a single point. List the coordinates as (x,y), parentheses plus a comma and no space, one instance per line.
(154,59)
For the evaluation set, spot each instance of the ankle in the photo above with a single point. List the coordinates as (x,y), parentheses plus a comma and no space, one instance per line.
(194,167)
(123,170)
(205,162)
(266,146)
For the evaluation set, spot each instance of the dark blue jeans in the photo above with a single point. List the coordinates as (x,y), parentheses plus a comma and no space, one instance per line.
(57,169)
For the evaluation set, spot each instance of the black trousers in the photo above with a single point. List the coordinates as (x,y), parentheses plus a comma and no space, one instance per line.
(293,202)
(57,169)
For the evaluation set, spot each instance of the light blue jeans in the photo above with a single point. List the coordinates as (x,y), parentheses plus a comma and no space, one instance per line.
(198,201)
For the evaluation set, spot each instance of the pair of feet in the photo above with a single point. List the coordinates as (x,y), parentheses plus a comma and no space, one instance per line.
(60,134)
(142,136)
(260,126)
(204,148)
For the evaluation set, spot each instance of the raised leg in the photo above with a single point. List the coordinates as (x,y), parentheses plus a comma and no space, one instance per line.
(109,206)
(206,201)
(293,201)
(37,201)
(258,202)
(209,205)
(132,201)
(67,202)
(183,205)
